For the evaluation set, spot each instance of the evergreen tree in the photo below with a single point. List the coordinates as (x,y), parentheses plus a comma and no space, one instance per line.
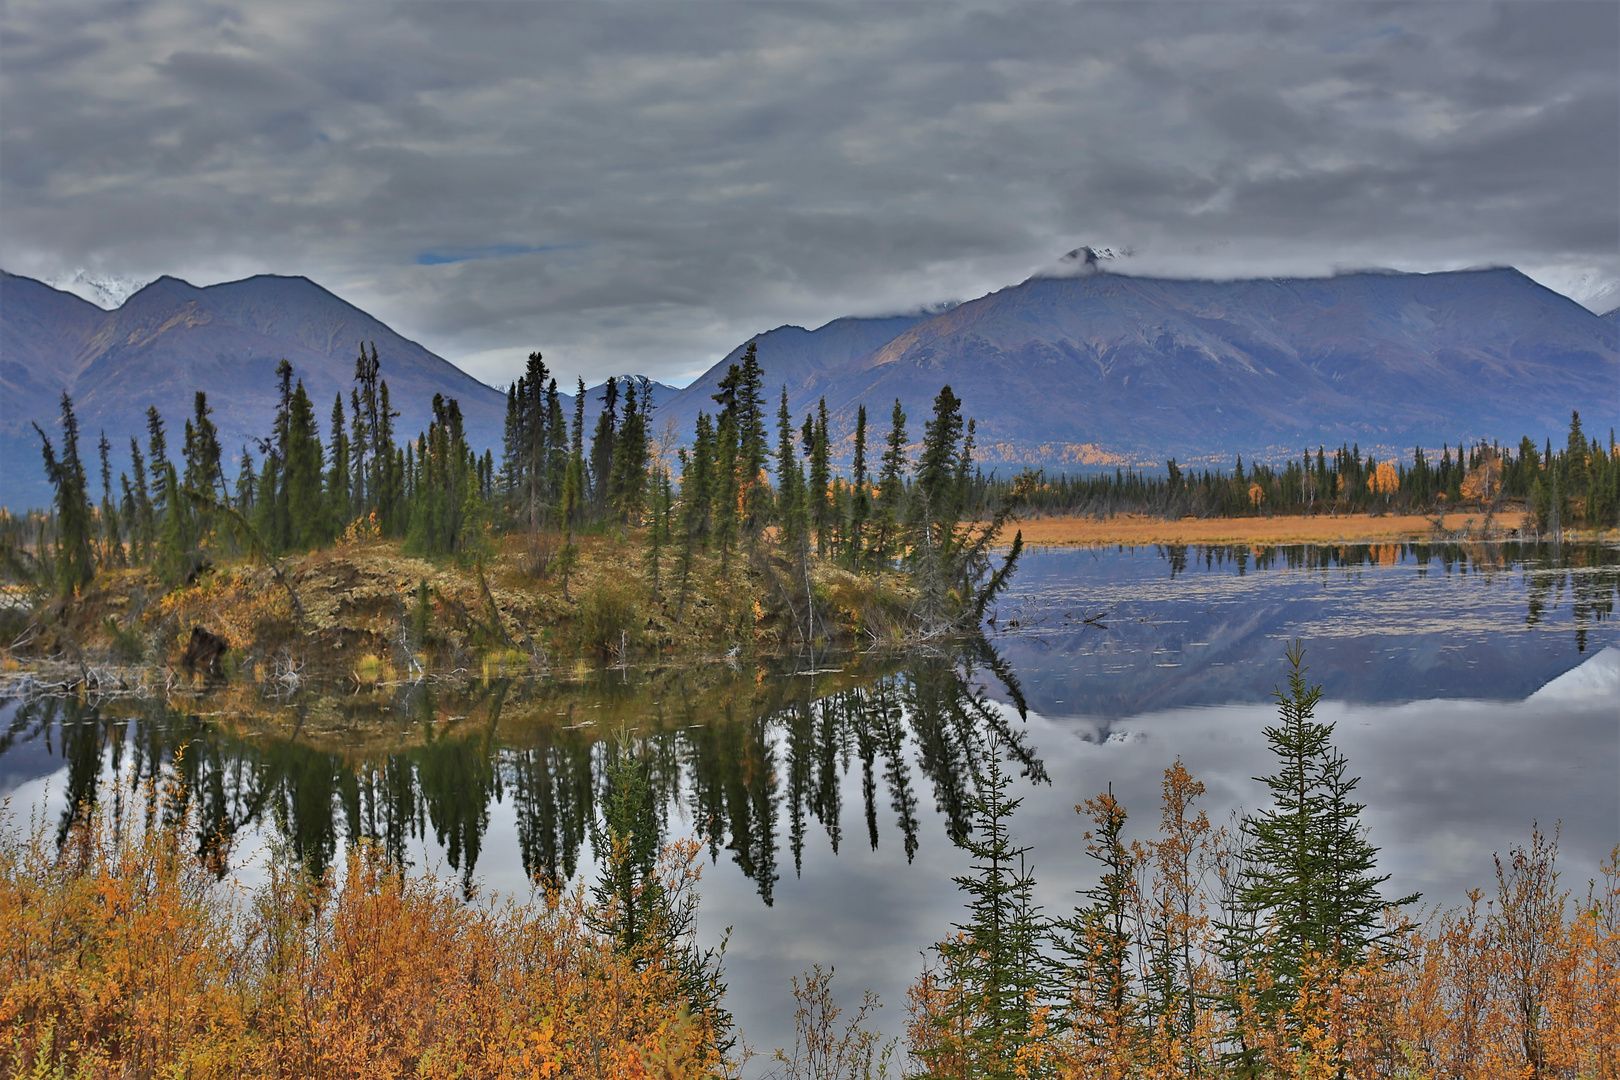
(143,523)
(995,959)
(75,562)
(891,485)
(204,470)
(1095,943)
(337,476)
(366,443)
(628,478)
(860,500)
(820,477)
(157,459)
(308,518)
(112,541)
(1307,885)
(556,444)
(602,446)
(246,485)
(1577,476)
(790,483)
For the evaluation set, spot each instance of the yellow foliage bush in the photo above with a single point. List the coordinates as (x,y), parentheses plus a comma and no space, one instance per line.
(125,954)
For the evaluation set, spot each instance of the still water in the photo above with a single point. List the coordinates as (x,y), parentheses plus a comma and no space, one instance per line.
(1476,689)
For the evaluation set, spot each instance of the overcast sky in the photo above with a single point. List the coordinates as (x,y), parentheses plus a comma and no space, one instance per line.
(643,186)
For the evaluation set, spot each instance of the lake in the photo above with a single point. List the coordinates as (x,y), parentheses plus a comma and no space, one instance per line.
(1474,688)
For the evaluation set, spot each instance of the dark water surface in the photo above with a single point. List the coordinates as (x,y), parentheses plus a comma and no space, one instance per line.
(1475,689)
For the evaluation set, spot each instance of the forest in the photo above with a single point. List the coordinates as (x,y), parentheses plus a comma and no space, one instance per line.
(1539,491)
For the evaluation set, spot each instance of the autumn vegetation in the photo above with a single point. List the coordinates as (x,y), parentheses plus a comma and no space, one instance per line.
(422,553)
(1262,946)
(1531,491)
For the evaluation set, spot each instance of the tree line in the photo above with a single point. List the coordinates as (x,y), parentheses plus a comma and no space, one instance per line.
(1560,487)
(552,484)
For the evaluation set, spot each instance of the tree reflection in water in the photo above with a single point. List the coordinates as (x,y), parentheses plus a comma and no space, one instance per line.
(739,751)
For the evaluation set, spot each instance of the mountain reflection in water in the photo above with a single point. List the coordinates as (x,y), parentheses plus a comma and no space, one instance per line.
(1448,668)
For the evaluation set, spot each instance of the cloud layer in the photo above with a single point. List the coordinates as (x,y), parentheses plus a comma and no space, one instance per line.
(641,186)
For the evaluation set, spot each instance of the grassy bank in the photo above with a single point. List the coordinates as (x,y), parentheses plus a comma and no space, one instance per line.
(1321,529)
(369,611)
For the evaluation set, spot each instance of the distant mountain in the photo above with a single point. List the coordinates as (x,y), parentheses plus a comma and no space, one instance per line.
(1059,372)
(790,356)
(171,338)
(1108,369)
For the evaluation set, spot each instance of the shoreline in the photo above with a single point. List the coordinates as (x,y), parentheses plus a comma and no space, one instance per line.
(1136,529)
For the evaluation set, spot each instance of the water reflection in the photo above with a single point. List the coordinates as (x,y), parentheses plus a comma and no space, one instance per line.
(759,764)
(747,755)
(1113,633)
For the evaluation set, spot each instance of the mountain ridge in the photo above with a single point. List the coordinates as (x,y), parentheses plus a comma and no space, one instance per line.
(1073,371)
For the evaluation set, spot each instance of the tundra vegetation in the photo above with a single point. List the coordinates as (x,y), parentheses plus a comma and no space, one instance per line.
(421,554)
(1262,947)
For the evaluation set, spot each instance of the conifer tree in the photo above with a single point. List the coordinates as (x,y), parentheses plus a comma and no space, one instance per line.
(1095,943)
(337,476)
(820,477)
(75,561)
(204,471)
(1576,474)
(157,459)
(891,485)
(308,518)
(556,444)
(860,500)
(143,525)
(602,446)
(246,485)
(1307,886)
(790,494)
(111,538)
(628,478)
(995,959)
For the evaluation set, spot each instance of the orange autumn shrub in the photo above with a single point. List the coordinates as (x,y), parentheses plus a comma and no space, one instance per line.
(1524,984)
(124,954)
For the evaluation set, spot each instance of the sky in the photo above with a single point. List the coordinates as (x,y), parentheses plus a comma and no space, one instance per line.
(643,186)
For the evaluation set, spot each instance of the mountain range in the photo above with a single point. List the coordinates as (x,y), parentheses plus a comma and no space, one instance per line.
(1068,372)
(170,339)
(1106,369)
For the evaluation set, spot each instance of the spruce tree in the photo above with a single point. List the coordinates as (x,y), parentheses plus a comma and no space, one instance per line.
(1095,943)
(111,538)
(628,478)
(789,495)
(860,500)
(820,477)
(1308,883)
(309,523)
(157,460)
(143,524)
(891,484)
(337,476)
(602,446)
(1576,474)
(75,561)
(996,959)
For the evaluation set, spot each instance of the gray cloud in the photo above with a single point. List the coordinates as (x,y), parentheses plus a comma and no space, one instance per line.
(641,186)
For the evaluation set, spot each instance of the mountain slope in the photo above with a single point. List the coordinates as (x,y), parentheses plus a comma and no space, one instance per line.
(172,338)
(790,356)
(1059,371)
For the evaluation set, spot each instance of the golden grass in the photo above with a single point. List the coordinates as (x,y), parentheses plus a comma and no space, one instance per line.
(1138,529)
